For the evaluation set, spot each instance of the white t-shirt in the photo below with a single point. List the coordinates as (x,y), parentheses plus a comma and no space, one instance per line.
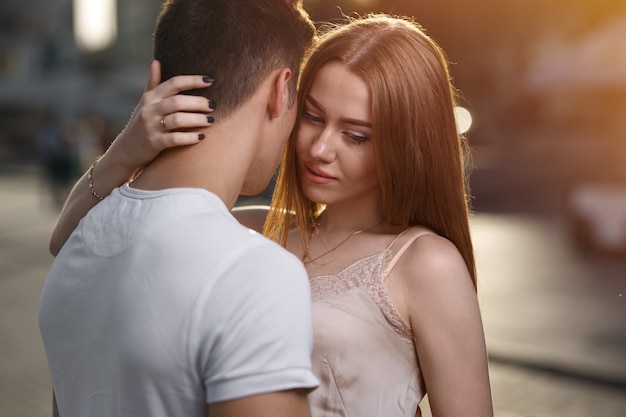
(161,302)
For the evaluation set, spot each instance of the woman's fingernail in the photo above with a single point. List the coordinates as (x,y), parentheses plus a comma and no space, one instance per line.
(212,105)
(208,79)
(201,136)
(210,119)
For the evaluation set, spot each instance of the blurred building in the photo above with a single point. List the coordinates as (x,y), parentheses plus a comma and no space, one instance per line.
(578,88)
(43,71)
(525,69)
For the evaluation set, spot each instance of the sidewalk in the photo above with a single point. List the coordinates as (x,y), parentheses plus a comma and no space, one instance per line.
(25,224)
(555,320)
(546,305)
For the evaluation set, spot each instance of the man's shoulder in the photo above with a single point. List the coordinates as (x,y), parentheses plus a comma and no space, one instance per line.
(260,251)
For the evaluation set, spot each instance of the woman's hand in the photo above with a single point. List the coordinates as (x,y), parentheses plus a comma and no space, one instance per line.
(162,119)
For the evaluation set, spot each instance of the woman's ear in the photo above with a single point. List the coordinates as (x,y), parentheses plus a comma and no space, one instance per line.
(279,99)
(155,75)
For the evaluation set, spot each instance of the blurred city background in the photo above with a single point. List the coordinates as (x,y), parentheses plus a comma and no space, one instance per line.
(545,84)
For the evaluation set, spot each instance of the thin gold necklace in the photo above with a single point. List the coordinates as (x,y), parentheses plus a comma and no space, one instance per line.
(307,251)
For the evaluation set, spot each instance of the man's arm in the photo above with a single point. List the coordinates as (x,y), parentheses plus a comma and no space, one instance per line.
(291,403)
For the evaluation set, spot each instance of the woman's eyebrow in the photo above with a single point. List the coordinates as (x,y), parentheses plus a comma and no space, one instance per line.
(347,120)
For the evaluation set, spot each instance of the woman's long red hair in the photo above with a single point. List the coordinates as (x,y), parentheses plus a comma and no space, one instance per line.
(420,157)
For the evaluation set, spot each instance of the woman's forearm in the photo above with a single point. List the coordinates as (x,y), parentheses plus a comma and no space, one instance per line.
(108,173)
(145,136)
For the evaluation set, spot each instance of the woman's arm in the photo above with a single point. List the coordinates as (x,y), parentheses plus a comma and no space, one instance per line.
(55,409)
(435,292)
(139,143)
(253,217)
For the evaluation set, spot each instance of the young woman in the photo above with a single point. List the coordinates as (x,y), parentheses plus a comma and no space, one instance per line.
(373,179)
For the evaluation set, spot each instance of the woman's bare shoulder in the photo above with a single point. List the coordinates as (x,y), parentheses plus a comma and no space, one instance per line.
(252,217)
(432,263)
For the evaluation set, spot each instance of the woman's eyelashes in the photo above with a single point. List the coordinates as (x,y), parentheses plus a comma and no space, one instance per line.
(357,137)
(312,117)
(352,135)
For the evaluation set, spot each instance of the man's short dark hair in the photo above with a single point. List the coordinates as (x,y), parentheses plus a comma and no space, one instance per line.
(236,42)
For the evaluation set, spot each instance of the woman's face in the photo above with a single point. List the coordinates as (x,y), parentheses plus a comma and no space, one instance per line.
(335,152)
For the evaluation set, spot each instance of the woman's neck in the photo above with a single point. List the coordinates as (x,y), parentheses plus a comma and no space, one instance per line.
(348,218)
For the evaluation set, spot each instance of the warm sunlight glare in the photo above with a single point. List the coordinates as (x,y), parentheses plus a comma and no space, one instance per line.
(463,119)
(366,3)
(95,24)
(350,4)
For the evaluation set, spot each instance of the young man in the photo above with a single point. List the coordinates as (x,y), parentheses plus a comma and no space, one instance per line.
(161,303)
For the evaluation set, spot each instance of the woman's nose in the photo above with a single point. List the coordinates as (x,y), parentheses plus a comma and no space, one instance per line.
(322,146)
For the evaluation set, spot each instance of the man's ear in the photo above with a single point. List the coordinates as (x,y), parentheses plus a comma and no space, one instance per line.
(155,75)
(280,93)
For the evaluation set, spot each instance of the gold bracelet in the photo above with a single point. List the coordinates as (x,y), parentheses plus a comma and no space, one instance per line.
(90,179)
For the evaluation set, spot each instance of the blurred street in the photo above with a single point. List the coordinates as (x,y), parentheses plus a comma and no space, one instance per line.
(555,319)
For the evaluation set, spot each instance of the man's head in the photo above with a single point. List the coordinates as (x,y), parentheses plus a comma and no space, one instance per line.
(236,42)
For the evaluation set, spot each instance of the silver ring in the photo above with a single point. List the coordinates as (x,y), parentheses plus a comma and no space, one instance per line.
(163,125)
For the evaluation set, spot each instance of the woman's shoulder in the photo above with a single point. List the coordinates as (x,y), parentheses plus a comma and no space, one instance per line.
(252,217)
(426,258)
(430,280)
(422,242)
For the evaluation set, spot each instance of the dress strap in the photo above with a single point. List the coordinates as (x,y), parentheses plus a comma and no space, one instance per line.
(396,238)
(402,249)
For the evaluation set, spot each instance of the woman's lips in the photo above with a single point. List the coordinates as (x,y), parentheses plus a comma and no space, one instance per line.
(317,175)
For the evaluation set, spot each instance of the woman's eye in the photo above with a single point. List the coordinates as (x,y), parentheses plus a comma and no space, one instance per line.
(311,117)
(357,137)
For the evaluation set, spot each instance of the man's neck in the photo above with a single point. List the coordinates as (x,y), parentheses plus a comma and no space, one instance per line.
(219,164)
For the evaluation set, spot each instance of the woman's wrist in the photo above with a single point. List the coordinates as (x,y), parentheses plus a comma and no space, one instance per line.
(92,189)
(108,172)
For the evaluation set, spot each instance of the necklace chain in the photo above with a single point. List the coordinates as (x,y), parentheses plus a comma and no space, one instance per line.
(306,258)
(307,252)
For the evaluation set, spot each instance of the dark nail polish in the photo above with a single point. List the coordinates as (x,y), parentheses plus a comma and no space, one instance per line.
(207,79)
(210,119)
(201,136)
(212,105)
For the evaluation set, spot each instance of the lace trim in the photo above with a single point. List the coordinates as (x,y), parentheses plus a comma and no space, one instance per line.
(367,274)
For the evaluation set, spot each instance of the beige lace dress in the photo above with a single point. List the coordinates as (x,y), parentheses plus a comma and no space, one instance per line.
(363,350)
